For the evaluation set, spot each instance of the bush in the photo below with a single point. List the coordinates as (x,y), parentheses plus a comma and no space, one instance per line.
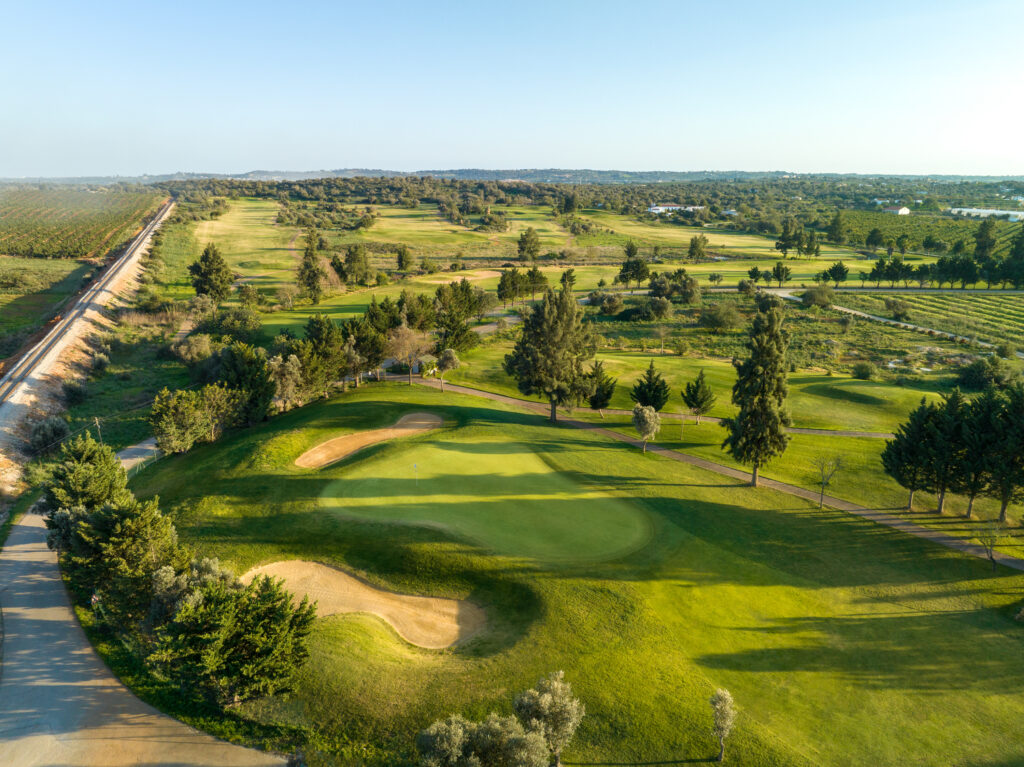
(195,349)
(240,323)
(899,309)
(990,371)
(720,316)
(74,393)
(100,362)
(864,371)
(611,304)
(1007,351)
(822,296)
(47,435)
(746,288)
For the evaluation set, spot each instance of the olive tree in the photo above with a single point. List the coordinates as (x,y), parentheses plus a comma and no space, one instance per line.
(723,712)
(647,423)
(550,710)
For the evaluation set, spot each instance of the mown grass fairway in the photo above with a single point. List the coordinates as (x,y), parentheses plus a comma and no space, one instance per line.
(844,643)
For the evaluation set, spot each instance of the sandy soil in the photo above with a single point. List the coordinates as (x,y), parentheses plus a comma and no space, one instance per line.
(334,450)
(476,274)
(428,622)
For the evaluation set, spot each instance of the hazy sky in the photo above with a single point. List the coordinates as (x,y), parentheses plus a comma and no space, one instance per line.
(128,88)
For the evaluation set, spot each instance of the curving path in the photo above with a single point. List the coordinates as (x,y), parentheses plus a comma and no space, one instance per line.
(59,704)
(879,516)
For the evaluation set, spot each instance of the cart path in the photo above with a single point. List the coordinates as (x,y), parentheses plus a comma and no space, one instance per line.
(875,515)
(59,703)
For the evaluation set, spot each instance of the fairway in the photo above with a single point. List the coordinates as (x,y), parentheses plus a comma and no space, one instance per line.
(650,582)
(493,491)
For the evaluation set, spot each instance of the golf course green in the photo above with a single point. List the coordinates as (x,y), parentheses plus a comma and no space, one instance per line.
(650,582)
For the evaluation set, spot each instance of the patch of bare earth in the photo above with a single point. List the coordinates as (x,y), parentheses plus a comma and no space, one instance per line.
(430,622)
(333,450)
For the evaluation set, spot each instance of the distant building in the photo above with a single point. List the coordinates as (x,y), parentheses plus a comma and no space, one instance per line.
(1011,215)
(897,210)
(879,200)
(730,212)
(673,208)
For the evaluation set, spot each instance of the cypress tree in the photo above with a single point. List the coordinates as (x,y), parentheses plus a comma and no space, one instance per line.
(549,355)
(651,390)
(943,445)
(1005,466)
(697,396)
(758,432)
(904,455)
(979,429)
(311,275)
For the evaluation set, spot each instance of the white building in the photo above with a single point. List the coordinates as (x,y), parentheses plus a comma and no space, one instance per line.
(897,210)
(673,208)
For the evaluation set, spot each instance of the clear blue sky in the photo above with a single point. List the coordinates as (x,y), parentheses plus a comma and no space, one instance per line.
(217,86)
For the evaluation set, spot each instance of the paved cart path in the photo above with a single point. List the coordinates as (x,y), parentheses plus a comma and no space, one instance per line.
(59,704)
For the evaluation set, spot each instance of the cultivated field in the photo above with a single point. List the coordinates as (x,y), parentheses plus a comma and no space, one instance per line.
(986,317)
(69,222)
(648,581)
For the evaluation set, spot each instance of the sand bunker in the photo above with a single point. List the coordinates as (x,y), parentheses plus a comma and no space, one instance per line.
(424,621)
(476,274)
(341,447)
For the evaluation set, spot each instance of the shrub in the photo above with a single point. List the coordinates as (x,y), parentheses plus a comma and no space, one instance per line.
(195,349)
(611,304)
(720,316)
(240,323)
(100,362)
(899,309)
(47,435)
(989,371)
(74,393)
(822,296)
(864,371)
(1007,351)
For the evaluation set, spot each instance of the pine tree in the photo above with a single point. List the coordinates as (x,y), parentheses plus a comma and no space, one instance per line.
(758,432)
(211,275)
(311,275)
(604,387)
(650,390)
(404,258)
(245,369)
(697,396)
(837,229)
(87,474)
(549,355)
(536,280)
(903,457)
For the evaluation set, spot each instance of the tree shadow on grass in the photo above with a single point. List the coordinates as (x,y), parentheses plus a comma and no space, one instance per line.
(927,652)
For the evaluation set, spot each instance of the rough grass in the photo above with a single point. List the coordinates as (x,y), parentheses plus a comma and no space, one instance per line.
(844,642)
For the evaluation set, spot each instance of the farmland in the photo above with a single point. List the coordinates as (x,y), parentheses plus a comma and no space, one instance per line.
(917,226)
(69,222)
(986,317)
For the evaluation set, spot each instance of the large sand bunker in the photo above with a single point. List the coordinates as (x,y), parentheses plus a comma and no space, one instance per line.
(424,621)
(341,447)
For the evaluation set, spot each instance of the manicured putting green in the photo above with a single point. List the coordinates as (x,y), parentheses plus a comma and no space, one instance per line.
(497,493)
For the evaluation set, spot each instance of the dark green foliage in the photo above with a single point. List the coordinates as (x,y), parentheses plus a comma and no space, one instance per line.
(791,236)
(236,645)
(549,355)
(650,390)
(698,249)
(758,432)
(311,274)
(182,418)
(985,372)
(904,456)
(675,286)
(634,269)
(529,245)
(943,445)
(719,317)
(87,474)
(780,273)
(535,281)
(454,305)
(698,397)
(603,387)
(244,369)
(985,239)
(404,256)
(863,371)
(211,275)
